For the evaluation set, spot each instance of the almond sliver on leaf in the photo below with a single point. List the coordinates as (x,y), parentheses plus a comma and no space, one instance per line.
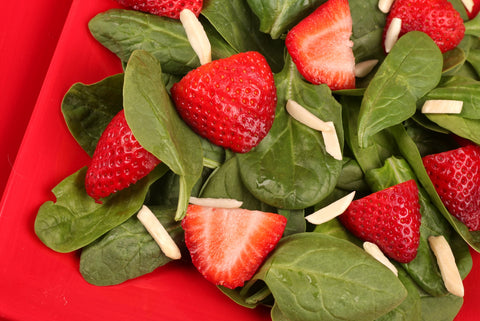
(442,106)
(446,263)
(299,113)
(196,36)
(331,211)
(159,233)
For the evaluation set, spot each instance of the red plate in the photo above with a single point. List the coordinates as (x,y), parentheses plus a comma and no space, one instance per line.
(37,283)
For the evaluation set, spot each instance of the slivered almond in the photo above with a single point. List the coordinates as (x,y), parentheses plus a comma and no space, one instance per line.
(392,33)
(441,106)
(365,67)
(196,36)
(446,263)
(301,114)
(330,138)
(374,250)
(385,5)
(216,202)
(331,211)
(332,145)
(468,5)
(159,233)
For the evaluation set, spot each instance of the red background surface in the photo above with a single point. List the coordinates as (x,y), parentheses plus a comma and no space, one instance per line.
(46,47)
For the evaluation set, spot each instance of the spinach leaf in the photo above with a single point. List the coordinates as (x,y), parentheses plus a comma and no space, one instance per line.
(278,16)
(463,127)
(411,69)
(157,126)
(410,309)
(296,222)
(458,88)
(472,27)
(127,251)
(290,168)
(75,219)
(410,153)
(366,18)
(308,268)
(88,109)
(428,141)
(124,31)
(453,60)
(442,308)
(226,182)
(236,22)
(351,177)
(374,155)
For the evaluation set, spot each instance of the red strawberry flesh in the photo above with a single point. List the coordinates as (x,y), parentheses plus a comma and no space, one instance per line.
(227,246)
(165,8)
(389,218)
(229,101)
(456,177)
(321,48)
(118,161)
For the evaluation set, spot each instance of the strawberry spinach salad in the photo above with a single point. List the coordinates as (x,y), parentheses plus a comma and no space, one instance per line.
(315,272)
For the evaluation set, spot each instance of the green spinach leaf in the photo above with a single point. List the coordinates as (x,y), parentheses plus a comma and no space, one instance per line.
(75,219)
(278,16)
(128,251)
(88,109)
(157,126)
(308,268)
(412,68)
(225,182)
(290,168)
(236,22)
(124,31)
(458,88)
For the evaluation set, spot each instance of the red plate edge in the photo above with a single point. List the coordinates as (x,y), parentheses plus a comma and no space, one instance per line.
(39,284)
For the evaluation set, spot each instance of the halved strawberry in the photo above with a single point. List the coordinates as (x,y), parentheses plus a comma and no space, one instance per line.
(227,246)
(456,177)
(165,8)
(229,101)
(436,18)
(321,48)
(389,218)
(118,160)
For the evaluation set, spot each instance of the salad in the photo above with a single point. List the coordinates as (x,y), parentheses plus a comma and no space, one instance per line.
(390,157)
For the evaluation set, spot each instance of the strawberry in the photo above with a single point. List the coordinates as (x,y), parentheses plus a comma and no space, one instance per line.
(321,48)
(228,245)
(164,8)
(229,101)
(475,9)
(118,160)
(456,177)
(436,18)
(389,218)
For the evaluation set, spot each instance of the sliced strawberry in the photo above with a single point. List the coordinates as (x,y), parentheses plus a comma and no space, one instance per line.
(118,160)
(229,101)
(456,177)
(436,18)
(165,8)
(389,218)
(321,48)
(227,246)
